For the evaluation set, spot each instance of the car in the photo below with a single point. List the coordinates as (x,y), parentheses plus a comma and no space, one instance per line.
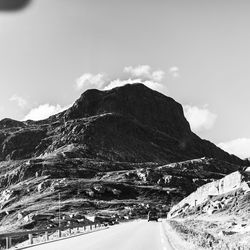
(152,216)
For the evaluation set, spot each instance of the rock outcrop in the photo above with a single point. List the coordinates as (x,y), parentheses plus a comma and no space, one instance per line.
(234,181)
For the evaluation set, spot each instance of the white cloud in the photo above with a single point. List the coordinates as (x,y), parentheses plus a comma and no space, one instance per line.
(145,72)
(140,74)
(89,80)
(140,70)
(44,111)
(174,71)
(119,83)
(21,102)
(199,118)
(158,75)
(239,147)
(148,83)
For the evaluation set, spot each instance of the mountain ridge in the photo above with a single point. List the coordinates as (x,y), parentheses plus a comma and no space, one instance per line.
(139,116)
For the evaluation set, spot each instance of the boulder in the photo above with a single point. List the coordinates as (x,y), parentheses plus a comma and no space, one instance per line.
(229,183)
(43,185)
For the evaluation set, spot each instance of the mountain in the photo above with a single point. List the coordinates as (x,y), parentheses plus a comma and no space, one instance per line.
(131,123)
(112,152)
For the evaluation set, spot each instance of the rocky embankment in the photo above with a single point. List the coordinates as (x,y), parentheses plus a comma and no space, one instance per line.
(212,196)
(218,210)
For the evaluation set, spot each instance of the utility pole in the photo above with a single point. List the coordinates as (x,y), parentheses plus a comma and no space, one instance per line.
(59,215)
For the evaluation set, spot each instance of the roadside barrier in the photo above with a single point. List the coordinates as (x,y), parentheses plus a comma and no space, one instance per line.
(30,237)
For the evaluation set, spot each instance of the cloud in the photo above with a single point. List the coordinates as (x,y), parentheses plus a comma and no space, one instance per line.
(199,118)
(21,102)
(44,111)
(89,80)
(118,83)
(158,75)
(174,71)
(140,74)
(148,83)
(239,147)
(145,72)
(141,70)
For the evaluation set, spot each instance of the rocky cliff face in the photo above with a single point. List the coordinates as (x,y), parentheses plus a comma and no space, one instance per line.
(136,102)
(116,150)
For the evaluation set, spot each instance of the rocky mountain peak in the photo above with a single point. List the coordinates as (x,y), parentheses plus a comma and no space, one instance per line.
(137,102)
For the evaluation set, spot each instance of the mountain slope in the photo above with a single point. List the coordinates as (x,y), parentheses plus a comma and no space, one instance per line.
(131,123)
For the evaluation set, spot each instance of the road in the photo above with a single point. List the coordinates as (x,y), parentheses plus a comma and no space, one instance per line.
(136,235)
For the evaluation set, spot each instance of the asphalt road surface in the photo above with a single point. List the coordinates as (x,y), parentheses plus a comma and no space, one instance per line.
(136,235)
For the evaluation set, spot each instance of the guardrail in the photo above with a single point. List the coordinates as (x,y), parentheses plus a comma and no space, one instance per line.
(30,237)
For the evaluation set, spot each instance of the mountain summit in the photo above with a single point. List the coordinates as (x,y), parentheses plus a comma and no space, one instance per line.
(136,102)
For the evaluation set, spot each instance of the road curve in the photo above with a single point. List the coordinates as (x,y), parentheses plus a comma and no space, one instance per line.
(136,235)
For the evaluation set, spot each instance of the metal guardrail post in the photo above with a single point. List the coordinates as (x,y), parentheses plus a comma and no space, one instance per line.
(84,227)
(59,233)
(8,242)
(46,236)
(69,230)
(90,226)
(30,239)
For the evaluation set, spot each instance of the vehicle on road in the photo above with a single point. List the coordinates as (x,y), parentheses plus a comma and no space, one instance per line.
(152,216)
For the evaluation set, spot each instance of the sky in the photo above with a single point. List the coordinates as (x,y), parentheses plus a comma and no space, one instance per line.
(196,51)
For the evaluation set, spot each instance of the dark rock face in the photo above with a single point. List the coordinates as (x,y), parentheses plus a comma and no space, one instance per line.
(21,144)
(138,103)
(9,123)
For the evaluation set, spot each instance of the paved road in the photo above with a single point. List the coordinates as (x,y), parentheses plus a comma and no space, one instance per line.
(137,235)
